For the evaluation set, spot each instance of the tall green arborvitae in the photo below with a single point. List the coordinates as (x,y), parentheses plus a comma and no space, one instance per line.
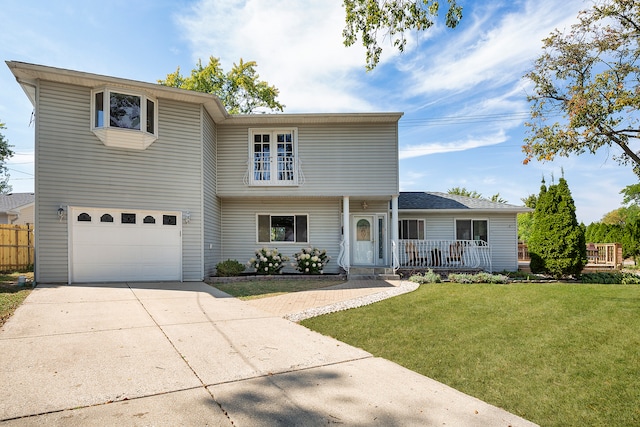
(557,243)
(538,231)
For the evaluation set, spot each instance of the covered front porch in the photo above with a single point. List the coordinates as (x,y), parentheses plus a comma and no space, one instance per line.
(445,254)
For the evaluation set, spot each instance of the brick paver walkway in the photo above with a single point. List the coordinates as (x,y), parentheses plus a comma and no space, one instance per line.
(296,302)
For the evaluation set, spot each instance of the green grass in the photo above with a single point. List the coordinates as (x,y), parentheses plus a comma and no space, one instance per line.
(11,295)
(267,288)
(556,354)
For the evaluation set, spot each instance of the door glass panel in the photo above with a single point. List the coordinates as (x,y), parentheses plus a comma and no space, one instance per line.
(381,239)
(363,230)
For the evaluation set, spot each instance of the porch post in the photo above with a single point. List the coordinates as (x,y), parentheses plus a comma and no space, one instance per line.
(346,234)
(394,230)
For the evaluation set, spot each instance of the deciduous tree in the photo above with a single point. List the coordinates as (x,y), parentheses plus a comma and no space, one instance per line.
(5,153)
(462,191)
(392,18)
(239,90)
(586,91)
(525,220)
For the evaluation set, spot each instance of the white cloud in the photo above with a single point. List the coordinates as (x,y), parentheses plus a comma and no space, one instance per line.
(297,45)
(410,151)
(478,52)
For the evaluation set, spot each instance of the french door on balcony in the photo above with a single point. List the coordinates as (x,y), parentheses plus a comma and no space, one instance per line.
(369,239)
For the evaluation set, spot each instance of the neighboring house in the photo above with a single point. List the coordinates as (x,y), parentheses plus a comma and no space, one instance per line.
(17,208)
(137,181)
(449,231)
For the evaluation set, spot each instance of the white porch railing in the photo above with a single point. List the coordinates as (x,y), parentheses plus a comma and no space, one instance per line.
(395,262)
(449,254)
(342,262)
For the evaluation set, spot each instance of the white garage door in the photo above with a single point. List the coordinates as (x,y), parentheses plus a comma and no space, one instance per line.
(114,245)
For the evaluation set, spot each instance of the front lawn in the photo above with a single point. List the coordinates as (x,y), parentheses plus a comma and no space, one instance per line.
(12,295)
(556,354)
(251,289)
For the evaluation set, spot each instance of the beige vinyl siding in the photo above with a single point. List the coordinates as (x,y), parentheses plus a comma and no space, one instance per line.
(26,215)
(336,160)
(73,168)
(239,227)
(211,203)
(503,234)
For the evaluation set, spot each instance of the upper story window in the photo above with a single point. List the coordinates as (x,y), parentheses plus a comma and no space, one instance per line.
(273,154)
(124,119)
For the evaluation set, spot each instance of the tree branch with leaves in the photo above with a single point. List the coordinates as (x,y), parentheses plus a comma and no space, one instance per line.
(586,91)
(365,18)
(239,90)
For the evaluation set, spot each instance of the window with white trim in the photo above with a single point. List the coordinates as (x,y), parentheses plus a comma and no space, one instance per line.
(411,229)
(273,155)
(283,228)
(472,229)
(124,119)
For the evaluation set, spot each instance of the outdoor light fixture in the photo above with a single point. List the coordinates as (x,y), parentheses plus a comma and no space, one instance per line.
(61,213)
(186,217)
(364,206)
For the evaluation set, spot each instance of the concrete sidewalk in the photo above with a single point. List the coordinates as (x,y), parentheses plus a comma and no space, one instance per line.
(187,354)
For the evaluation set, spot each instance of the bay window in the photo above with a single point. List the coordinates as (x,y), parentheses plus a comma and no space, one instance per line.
(124,119)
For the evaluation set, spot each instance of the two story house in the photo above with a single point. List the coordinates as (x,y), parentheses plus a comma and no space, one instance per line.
(140,182)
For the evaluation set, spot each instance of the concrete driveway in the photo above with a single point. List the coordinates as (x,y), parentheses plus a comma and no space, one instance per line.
(187,354)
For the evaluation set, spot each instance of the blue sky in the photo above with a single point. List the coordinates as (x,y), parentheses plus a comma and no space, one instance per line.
(461,91)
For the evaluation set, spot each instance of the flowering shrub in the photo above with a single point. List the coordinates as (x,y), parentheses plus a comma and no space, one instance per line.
(268,261)
(311,260)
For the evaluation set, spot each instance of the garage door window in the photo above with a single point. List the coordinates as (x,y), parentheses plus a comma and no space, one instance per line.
(106,218)
(128,218)
(169,220)
(149,220)
(84,217)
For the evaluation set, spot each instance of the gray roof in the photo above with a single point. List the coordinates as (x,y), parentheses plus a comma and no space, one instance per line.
(418,200)
(11,201)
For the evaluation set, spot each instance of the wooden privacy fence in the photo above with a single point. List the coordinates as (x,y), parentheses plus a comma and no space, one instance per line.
(598,254)
(16,247)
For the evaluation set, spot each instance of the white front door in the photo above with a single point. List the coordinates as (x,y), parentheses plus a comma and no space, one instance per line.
(368,239)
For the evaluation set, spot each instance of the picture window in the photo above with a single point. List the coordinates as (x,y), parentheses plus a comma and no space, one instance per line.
(283,228)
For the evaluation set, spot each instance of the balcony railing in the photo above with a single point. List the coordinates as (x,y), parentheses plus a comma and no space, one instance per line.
(445,254)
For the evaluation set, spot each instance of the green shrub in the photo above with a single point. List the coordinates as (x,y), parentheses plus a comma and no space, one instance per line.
(229,268)
(311,260)
(428,277)
(612,278)
(481,277)
(461,278)
(268,261)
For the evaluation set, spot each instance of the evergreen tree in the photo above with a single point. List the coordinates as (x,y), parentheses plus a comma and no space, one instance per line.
(557,244)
